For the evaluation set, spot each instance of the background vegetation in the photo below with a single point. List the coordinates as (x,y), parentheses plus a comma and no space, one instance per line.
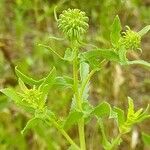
(26,23)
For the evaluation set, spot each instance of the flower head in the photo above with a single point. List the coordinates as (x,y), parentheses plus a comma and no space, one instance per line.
(73,23)
(31,97)
(131,40)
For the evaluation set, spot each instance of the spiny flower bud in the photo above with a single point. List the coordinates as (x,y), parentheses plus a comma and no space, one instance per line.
(73,23)
(130,40)
(31,97)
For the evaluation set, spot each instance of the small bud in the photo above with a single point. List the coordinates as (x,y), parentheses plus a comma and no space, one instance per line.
(33,98)
(131,40)
(73,23)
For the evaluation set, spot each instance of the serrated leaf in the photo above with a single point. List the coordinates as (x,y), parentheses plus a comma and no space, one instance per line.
(120,116)
(69,54)
(144,30)
(73,118)
(31,124)
(146,138)
(115,31)
(26,79)
(102,110)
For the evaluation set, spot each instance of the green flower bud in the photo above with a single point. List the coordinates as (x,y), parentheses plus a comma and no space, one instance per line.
(131,40)
(33,98)
(73,23)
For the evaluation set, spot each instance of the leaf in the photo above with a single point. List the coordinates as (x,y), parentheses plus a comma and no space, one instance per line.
(84,72)
(87,110)
(69,54)
(22,86)
(27,79)
(102,110)
(122,56)
(11,93)
(31,124)
(140,62)
(106,144)
(115,31)
(146,138)
(130,108)
(73,118)
(64,82)
(49,48)
(120,116)
(144,30)
(48,81)
(107,54)
(97,56)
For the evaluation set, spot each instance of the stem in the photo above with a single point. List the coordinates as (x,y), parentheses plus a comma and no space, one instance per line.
(78,101)
(63,132)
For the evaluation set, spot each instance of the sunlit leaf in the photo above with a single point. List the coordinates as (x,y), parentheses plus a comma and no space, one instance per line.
(73,118)
(102,110)
(144,30)
(31,124)
(115,31)
(69,54)
(27,79)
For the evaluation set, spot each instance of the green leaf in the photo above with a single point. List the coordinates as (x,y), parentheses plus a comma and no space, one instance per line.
(146,138)
(120,116)
(31,124)
(11,93)
(102,110)
(139,62)
(84,72)
(27,79)
(130,108)
(69,54)
(122,56)
(95,57)
(49,48)
(48,81)
(115,31)
(105,142)
(22,86)
(144,30)
(73,118)
(64,82)
(87,110)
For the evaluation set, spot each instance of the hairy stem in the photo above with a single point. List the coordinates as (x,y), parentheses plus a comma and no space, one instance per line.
(79,102)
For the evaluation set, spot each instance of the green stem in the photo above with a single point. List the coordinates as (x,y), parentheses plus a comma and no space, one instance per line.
(63,132)
(78,101)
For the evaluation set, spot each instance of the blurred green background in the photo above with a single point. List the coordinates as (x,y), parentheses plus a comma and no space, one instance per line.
(26,23)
